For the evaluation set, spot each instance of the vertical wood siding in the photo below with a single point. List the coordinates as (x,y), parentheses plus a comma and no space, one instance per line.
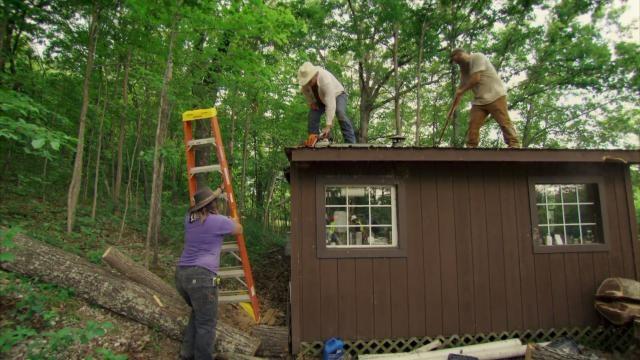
(470,265)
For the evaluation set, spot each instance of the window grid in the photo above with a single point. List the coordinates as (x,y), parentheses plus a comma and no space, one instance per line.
(562,206)
(369,226)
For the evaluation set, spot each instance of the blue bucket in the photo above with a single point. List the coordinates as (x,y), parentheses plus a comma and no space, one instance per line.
(333,349)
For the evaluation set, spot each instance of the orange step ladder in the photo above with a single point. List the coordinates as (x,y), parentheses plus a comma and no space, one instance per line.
(238,248)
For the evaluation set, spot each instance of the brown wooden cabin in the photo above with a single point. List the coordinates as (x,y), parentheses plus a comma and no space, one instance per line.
(454,241)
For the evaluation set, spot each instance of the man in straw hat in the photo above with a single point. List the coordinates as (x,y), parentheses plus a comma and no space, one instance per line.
(324,94)
(196,280)
(490,96)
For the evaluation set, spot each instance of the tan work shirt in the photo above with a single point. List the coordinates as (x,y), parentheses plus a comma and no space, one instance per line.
(490,87)
(328,89)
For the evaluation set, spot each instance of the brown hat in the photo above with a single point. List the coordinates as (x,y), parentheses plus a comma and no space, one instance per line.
(203,197)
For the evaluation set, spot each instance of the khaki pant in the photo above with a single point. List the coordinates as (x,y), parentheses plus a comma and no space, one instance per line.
(497,109)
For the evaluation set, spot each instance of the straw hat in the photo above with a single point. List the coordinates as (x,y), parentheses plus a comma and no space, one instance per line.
(306,72)
(203,197)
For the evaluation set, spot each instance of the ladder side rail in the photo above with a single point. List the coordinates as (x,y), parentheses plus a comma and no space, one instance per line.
(226,177)
(191,158)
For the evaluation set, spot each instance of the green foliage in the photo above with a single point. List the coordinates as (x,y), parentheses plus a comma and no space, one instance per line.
(6,243)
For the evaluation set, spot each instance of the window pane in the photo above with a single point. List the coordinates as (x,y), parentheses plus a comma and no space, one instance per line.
(358,196)
(380,195)
(556,235)
(540,199)
(542,214)
(359,215)
(571,214)
(573,235)
(589,193)
(555,214)
(588,213)
(336,216)
(541,236)
(335,195)
(553,194)
(381,216)
(569,194)
(358,235)
(336,235)
(380,235)
(591,234)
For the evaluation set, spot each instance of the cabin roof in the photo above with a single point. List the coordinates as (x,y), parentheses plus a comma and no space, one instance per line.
(378,153)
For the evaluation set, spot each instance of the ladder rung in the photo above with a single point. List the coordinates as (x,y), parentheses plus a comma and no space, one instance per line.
(230,272)
(205,141)
(226,297)
(204,169)
(229,246)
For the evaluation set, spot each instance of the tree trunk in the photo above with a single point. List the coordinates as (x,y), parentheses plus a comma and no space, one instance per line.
(138,274)
(419,84)
(122,133)
(274,340)
(158,162)
(76,178)
(99,151)
(245,155)
(396,84)
(132,162)
(112,292)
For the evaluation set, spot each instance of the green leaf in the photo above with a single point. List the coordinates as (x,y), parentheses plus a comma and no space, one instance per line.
(7,257)
(37,143)
(55,144)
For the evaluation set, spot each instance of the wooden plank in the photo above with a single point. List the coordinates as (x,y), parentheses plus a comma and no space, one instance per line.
(480,251)
(432,261)
(558,290)
(329,297)
(381,299)
(574,295)
(448,264)
(544,294)
(364,298)
(415,259)
(399,298)
(347,305)
(633,228)
(616,262)
(525,251)
(496,254)
(623,222)
(464,252)
(588,289)
(311,307)
(296,245)
(510,243)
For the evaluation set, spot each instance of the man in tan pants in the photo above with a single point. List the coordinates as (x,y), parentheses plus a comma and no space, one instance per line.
(490,96)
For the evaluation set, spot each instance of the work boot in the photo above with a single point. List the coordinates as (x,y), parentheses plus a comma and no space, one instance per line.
(312,139)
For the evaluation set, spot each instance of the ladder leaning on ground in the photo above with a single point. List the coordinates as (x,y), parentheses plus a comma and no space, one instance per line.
(236,248)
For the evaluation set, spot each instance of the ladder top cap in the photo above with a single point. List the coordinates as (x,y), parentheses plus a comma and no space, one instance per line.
(199,114)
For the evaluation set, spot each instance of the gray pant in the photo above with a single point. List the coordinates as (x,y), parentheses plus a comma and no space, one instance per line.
(197,287)
(341,113)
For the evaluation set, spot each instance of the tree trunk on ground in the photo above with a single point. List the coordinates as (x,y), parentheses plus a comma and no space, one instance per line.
(112,292)
(122,133)
(153,227)
(76,178)
(138,274)
(274,340)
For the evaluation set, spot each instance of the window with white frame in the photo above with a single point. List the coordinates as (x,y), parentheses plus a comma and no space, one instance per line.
(360,216)
(568,214)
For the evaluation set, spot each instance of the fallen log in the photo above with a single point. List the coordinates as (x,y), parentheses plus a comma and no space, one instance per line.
(139,274)
(98,286)
(494,350)
(274,340)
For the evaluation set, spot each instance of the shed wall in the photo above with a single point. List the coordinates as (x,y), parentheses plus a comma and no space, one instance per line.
(469,266)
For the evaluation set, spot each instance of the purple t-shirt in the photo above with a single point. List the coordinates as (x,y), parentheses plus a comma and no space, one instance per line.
(203,241)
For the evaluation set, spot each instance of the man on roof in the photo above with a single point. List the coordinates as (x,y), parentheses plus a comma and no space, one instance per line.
(490,96)
(324,94)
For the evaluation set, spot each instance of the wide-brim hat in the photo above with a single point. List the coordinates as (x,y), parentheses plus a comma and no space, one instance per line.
(306,72)
(203,197)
